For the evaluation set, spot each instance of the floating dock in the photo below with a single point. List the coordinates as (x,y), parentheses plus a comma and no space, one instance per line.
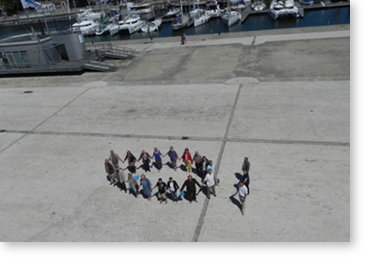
(248,11)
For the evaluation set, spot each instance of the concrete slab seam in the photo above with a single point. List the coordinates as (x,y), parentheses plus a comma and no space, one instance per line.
(193,138)
(219,159)
(42,122)
(62,108)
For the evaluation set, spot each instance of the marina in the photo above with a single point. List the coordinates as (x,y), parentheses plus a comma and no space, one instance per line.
(310,15)
(92,26)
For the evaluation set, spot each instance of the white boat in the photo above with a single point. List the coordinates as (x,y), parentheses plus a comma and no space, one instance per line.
(142,9)
(280,8)
(258,5)
(306,2)
(88,15)
(139,8)
(229,18)
(152,26)
(104,29)
(131,24)
(212,9)
(158,21)
(182,21)
(114,29)
(106,25)
(238,5)
(199,17)
(86,27)
(172,14)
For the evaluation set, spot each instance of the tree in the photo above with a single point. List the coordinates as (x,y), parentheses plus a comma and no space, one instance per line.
(10,6)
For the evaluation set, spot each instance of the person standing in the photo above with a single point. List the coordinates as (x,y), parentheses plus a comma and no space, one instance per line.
(183,39)
(190,185)
(157,157)
(245,165)
(114,158)
(198,159)
(204,166)
(209,180)
(131,162)
(162,190)
(146,187)
(172,186)
(132,185)
(173,156)
(187,159)
(121,178)
(210,166)
(110,171)
(145,157)
(242,193)
(246,173)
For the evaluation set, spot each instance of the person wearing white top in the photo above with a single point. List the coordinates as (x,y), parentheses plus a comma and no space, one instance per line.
(242,193)
(209,180)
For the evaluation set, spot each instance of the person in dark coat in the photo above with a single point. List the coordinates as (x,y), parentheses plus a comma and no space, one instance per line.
(198,162)
(172,187)
(190,185)
(145,157)
(246,175)
(131,162)
(162,190)
(110,171)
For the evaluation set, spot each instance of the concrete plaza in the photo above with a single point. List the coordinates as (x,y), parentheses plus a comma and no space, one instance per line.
(282,98)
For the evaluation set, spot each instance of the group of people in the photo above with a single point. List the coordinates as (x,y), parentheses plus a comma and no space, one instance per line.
(204,169)
(202,163)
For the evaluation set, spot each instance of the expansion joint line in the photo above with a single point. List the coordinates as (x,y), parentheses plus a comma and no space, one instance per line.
(219,159)
(42,122)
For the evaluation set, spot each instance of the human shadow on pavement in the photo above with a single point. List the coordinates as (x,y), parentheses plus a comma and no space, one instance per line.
(170,196)
(239,176)
(183,168)
(236,202)
(122,186)
(169,164)
(157,166)
(203,190)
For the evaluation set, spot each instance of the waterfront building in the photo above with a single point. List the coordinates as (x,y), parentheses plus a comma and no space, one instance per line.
(35,53)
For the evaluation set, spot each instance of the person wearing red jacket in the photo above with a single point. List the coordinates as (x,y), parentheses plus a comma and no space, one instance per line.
(187,159)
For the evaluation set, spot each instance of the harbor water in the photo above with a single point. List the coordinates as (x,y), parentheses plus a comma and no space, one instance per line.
(321,17)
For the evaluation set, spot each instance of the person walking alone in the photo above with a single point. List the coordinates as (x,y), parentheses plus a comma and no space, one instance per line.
(246,173)
(242,193)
